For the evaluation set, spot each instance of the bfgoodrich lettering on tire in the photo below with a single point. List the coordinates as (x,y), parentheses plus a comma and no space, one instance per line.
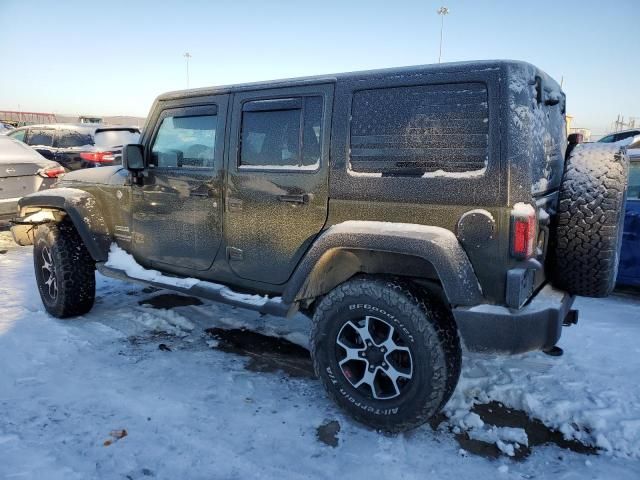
(590,219)
(65,272)
(386,352)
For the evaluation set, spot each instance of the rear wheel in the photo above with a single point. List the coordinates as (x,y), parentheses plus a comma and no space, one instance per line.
(385,352)
(65,272)
(590,220)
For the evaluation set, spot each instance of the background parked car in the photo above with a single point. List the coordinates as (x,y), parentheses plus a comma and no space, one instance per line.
(78,146)
(22,171)
(633,145)
(629,269)
(5,128)
(618,136)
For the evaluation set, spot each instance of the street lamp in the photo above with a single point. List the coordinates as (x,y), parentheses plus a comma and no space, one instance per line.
(187,55)
(442,11)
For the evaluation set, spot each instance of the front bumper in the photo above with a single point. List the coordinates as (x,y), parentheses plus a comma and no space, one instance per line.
(536,326)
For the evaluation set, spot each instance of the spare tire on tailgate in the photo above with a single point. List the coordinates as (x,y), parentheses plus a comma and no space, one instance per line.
(588,227)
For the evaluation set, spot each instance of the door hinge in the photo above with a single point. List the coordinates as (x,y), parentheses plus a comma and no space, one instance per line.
(234,253)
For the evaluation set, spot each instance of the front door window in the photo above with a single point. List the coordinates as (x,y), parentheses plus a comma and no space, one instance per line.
(185,141)
(18,135)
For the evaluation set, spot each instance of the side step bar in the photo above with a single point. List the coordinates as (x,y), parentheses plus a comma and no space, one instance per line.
(210,291)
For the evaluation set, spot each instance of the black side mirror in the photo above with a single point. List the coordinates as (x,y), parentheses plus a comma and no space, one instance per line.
(133,157)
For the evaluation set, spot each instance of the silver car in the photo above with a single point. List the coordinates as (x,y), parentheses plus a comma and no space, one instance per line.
(22,171)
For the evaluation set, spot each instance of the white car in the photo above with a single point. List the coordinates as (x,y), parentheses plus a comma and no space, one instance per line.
(624,137)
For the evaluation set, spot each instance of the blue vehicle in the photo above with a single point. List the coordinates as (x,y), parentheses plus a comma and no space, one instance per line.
(629,269)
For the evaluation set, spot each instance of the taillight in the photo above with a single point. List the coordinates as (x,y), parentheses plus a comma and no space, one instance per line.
(51,172)
(523,230)
(98,157)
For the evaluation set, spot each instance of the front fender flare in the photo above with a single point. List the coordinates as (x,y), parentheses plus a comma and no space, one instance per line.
(436,245)
(82,209)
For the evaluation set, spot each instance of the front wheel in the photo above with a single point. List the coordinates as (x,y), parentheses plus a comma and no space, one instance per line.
(65,272)
(386,352)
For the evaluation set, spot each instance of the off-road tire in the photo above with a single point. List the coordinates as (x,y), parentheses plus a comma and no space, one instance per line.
(589,224)
(73,268)
(431,335)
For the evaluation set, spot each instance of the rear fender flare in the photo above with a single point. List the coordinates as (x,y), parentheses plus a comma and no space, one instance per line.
(83,211)
(347,248)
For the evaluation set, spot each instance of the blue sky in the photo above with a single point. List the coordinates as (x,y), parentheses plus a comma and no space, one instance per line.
(114,57)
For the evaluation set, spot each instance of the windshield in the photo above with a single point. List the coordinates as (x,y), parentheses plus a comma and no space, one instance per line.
(115,138)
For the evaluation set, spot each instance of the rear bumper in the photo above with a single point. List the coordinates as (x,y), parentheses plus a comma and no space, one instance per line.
(494,328)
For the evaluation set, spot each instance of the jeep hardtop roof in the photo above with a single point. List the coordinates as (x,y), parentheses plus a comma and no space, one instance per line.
(452,67)
(81,127)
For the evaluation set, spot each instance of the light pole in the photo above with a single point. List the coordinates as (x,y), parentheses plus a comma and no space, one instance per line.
(442,11)
(187,55)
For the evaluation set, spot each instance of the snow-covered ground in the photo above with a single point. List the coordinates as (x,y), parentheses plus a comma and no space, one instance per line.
(195,411)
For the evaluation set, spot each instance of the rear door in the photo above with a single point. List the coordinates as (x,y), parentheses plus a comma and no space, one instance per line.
(277,190)
(177,211)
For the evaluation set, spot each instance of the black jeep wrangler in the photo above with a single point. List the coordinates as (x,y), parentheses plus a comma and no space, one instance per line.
(407,211)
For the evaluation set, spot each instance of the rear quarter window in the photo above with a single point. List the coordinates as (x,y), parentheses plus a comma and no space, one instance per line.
(420,130)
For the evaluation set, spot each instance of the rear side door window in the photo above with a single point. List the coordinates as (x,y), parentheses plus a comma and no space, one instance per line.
(185,141)
(281,134)
(73,138)
(40,137)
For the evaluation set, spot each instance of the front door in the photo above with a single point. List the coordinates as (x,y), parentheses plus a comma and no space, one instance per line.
(177,216)
(277,190)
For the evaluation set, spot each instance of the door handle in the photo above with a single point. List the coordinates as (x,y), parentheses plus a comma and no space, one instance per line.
(304,198)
